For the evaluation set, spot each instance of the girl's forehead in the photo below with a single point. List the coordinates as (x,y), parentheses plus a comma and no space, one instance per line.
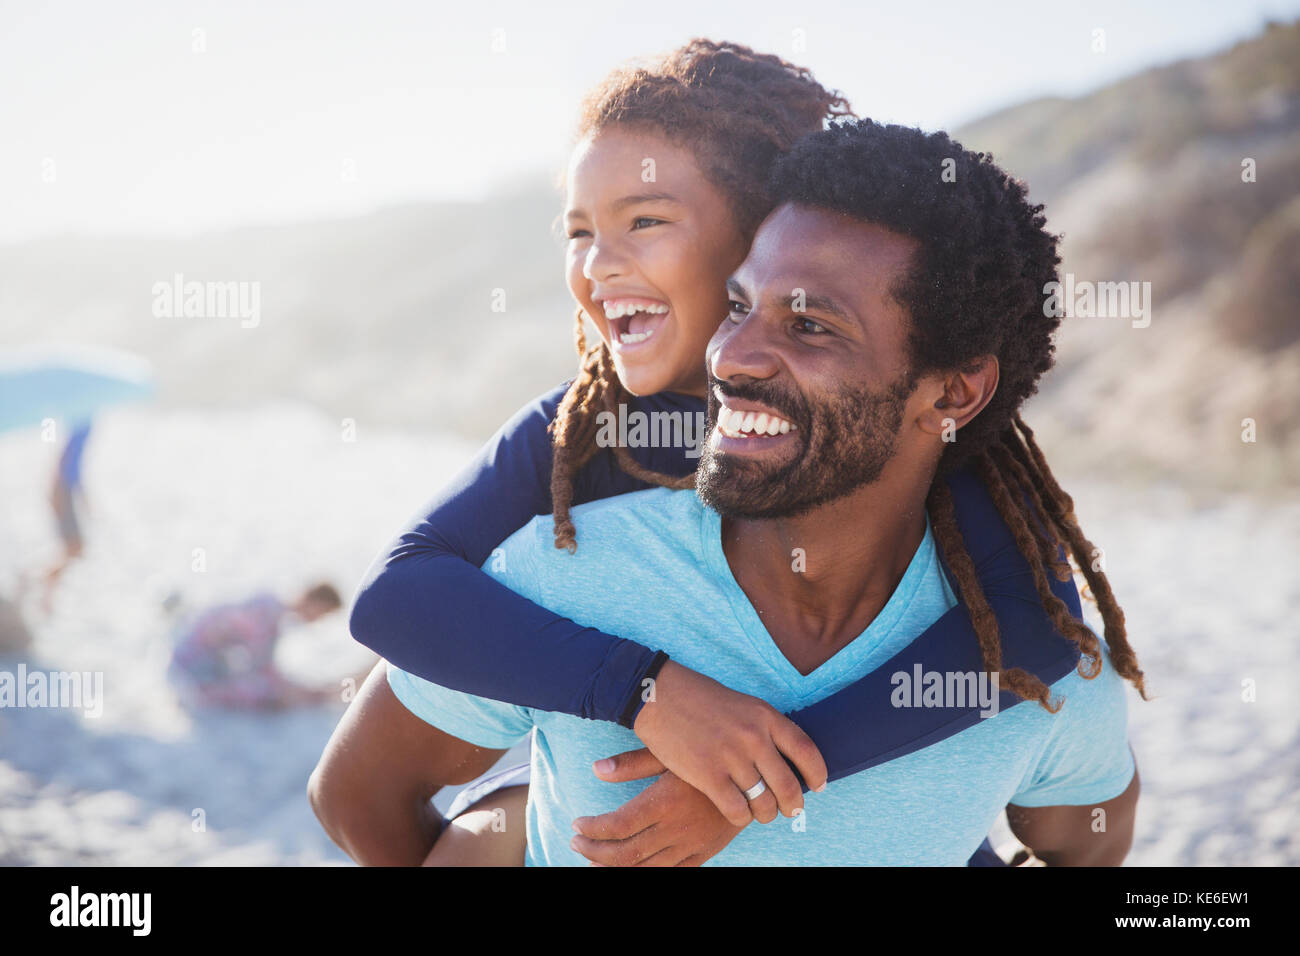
(629,155)
(644,152)
(624,136)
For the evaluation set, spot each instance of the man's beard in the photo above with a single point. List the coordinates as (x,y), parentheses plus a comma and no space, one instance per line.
(846,439)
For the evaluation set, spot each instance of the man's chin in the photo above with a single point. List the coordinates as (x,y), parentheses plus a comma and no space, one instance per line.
(732,496)
(736,488)
(745,510)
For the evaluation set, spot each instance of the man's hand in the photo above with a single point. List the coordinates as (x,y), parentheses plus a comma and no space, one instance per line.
(670,823)
(722,742)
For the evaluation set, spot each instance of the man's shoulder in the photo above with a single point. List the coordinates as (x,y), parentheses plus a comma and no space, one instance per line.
(660,519)
(664,515)
(1084,756)
(1095,688)
(1088,707)
(1093,707)
(649,504)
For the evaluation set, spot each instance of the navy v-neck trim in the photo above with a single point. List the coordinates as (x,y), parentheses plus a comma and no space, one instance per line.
(848,661)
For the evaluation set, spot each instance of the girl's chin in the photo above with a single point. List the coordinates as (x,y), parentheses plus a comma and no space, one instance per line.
(645,368)
(642,378)
(656,366)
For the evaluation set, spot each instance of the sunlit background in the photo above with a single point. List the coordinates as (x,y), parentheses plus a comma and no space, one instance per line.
(380,170)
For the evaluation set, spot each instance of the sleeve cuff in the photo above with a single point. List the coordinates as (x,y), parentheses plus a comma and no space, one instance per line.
(1081,795)
(636,701)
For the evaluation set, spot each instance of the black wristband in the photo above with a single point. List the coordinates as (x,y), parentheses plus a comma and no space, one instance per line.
(632,708)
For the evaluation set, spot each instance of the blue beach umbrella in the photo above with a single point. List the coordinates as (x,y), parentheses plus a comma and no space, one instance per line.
(67,382)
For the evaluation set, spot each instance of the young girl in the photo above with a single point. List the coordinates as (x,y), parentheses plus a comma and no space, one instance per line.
(665,190)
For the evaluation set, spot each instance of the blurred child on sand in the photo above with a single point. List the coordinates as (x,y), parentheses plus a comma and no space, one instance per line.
(224,656)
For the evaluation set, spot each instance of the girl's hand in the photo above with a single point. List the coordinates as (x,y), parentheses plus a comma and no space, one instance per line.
(722,742)
(669,823)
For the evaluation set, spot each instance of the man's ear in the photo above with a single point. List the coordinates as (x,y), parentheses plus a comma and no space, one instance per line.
(965,392)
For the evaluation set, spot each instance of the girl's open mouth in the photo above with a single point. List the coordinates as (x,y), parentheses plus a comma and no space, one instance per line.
(634,321)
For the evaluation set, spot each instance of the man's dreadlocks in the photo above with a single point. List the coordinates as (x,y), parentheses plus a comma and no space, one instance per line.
(975,288)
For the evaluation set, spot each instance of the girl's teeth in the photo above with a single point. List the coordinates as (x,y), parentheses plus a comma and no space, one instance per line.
(616,309)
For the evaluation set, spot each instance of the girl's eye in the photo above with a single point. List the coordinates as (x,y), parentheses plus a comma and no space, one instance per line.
(636,223)
(811,327)
(736,310)
(579,233)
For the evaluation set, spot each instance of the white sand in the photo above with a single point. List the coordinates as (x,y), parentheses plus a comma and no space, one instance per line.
(276,499)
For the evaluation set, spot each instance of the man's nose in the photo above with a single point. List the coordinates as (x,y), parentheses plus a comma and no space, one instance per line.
(747,349)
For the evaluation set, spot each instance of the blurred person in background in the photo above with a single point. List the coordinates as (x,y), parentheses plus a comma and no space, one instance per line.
(66,496)
(225,655)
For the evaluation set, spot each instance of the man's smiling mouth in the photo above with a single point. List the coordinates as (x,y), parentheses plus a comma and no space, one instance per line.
(738,423)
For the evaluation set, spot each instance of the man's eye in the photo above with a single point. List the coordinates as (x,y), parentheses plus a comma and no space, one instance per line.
(578,233)
(736,310)
(810,327)
(648,220)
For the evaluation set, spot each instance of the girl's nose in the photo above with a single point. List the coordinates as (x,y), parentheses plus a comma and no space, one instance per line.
(604,261)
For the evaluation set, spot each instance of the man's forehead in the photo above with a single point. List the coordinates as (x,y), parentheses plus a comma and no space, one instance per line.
(821,245)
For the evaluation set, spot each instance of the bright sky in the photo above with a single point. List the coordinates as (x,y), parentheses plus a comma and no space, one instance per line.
(175,117)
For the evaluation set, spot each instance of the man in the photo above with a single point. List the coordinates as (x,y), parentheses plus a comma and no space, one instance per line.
(886,324)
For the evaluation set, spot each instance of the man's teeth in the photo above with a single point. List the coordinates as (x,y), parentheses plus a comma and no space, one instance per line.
(734,424)
(616,309)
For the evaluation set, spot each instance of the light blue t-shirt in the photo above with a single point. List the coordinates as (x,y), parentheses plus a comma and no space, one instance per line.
(650,567)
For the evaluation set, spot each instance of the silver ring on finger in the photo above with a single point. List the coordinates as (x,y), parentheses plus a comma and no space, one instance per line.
(757,790)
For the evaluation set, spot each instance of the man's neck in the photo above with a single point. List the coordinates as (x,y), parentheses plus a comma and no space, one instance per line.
(817,581)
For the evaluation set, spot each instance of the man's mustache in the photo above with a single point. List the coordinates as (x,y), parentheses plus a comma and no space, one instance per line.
(788,405)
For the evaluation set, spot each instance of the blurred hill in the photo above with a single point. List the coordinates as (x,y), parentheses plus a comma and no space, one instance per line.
(1144,179)
(388,318)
